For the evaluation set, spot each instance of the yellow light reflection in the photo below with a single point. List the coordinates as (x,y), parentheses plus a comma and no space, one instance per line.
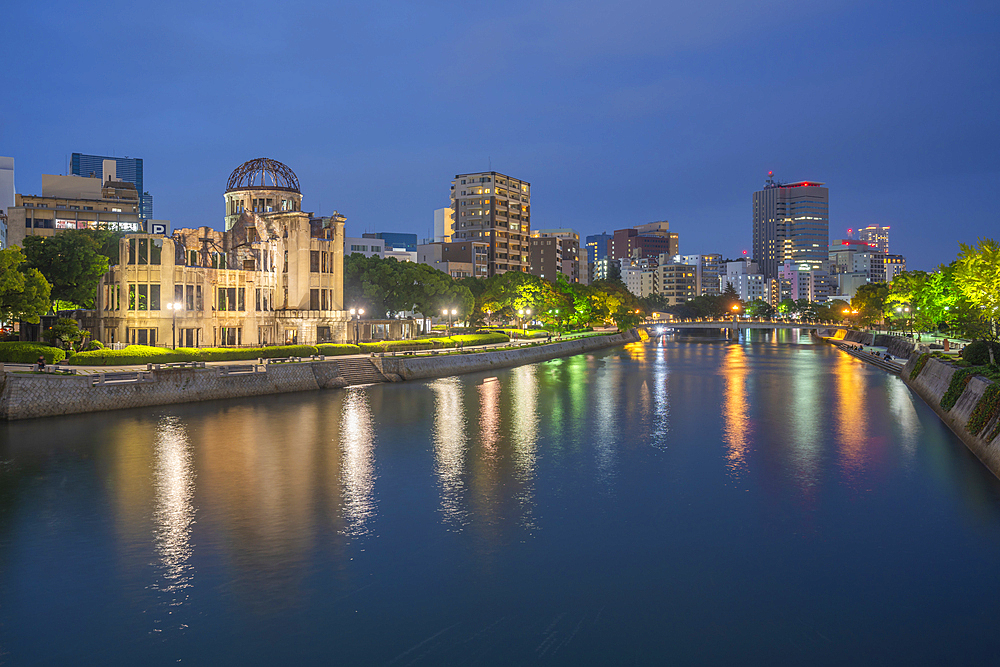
(852,412)
(606,388)
(173,514)
(489,414)
(736,424)
(524,433)
(357,476)
(449,448)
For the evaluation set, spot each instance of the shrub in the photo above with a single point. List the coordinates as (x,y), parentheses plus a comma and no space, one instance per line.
(481,339)
(333,349)
(93,345)
(133,354)
(919,366)
(958,382)
(986,409)
(20,352)
(400,345)
(977,352)
(249,353)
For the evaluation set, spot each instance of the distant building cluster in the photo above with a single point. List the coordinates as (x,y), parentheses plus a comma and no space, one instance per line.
(275,273)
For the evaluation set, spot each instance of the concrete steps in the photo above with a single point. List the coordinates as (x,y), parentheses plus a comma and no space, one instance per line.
(360,370)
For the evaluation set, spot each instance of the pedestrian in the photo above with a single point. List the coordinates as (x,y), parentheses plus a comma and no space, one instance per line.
(41,363)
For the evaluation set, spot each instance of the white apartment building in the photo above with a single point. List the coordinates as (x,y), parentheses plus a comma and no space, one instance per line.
(708,271)
(366,247)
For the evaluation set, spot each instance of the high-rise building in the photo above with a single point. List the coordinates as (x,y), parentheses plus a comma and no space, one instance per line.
(495,208)
(127,169)
(6,195)
(791,223)
(893,266)
(877,236)
(459,259)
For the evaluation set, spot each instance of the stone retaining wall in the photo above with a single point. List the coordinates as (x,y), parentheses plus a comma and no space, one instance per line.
(25,396)
(416,368)
(932,383)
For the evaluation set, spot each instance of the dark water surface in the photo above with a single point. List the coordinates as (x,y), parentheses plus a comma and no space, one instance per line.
(688,502)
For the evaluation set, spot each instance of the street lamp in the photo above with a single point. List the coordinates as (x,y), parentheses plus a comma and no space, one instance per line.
(173,308)
(356,313)
(449,314)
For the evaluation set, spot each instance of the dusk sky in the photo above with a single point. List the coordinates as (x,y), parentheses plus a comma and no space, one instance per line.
(617,113)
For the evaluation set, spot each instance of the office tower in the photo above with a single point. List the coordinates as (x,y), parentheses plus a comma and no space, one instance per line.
(877,236)
(649,240)
(397,244)
(893,266)
(597,250)
(6,195)
(791,223)
(127,169)
(494,208)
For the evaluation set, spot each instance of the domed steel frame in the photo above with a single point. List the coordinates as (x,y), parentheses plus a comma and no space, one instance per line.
(253,175)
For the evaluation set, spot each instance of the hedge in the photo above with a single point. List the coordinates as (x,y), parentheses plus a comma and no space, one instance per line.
(133,354)
(986,409)
(977,352)
(334,349)
(434,343)
(145,354)
(20,352)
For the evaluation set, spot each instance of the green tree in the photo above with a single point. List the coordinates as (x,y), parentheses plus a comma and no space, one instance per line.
(759,308)
(786,307)
(66,330)
(24,293)
(977,276)
(71,262)
(870,302)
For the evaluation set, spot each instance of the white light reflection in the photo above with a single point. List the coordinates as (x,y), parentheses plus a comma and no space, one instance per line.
(606,390)
(901,404)
(661,399)
(524,427)
(489,415)
(449,448)
(357,476)
(173,483)
(806,406)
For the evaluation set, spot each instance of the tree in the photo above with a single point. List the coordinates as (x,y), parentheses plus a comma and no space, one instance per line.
(869,301)
(786,307)
(24,293)
(65,329)
(977,276)
(71,262)
(759,308)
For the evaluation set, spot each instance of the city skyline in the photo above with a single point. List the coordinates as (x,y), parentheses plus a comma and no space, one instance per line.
(620,117)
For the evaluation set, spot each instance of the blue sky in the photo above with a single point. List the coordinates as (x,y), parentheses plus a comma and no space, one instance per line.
(617,113)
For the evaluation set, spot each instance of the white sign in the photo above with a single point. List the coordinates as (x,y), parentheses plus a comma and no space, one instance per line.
(158,228)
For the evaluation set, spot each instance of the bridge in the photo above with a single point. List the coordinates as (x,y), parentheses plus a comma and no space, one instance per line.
(743,323)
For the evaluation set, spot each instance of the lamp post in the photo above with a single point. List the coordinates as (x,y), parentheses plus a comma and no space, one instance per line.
(173,308)
(736,310)
(356,314)
(449,314)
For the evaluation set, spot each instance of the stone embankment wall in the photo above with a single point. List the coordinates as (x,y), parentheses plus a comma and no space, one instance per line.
(898,346)
(24,396)
(417,368)
(931,384)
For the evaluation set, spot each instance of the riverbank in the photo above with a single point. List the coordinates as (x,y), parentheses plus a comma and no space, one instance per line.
(900,349)
(931,380)
(31,395)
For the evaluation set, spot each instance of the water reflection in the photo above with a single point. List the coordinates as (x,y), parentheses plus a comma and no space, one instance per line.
(173,514)
(851,413)
(489,415)
(806,410)
(606,388)
(524,434)
(905,414)
(661,399)
(357,443)
(736,424)
(449,447)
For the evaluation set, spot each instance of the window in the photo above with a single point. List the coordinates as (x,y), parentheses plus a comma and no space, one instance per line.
(143,300)
(199,302)
(189,292)
(192,258)
(231,298)
(155,250)
(222,299)
(178,293)
(322,262)
(231,336)
(154,296)
(241,298)
(314,299)
(131,251)
(143,251)
(314,261)
(257,298)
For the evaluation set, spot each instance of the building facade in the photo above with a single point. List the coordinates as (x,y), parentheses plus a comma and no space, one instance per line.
(74,202)
(273,277)
(366,247)
(125,169)
(876,236)
(460,259)
(709,270)
(791,222)
(556,251)
(6,195)
(496,209)
(649,240)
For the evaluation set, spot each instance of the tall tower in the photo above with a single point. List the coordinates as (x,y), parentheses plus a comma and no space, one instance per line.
(791,222)
(877,236)
(495,208)
(126,168)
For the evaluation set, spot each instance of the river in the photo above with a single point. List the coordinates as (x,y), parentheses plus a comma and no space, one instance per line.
(679,501)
